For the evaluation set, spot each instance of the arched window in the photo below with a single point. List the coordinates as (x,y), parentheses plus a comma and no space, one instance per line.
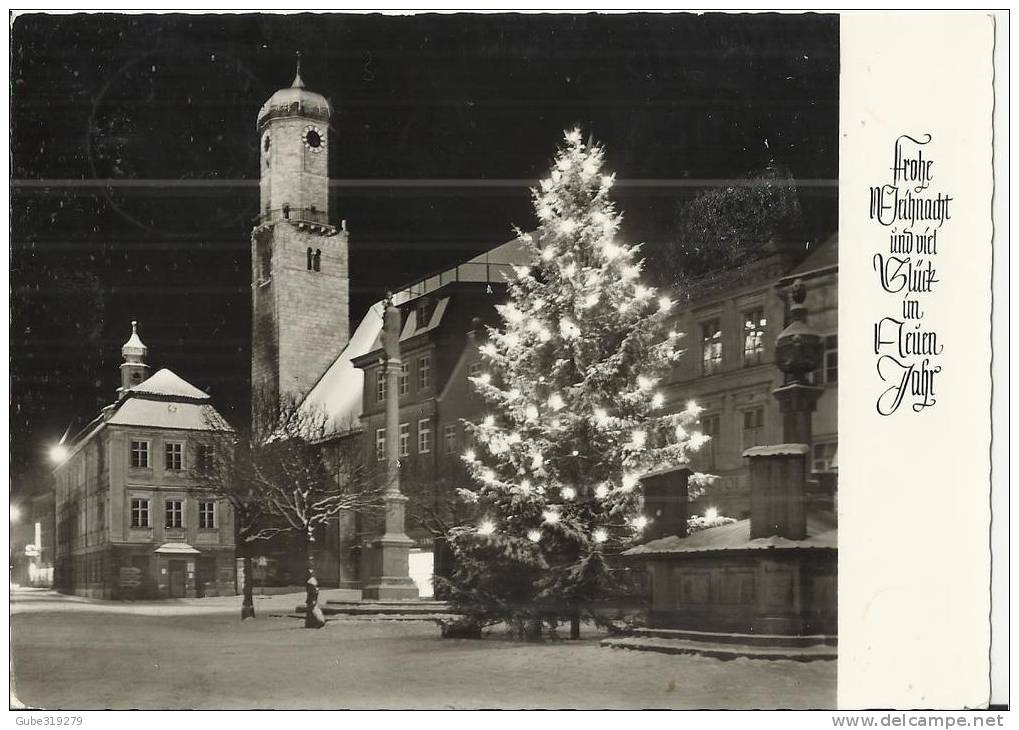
(309,258)
(317,259)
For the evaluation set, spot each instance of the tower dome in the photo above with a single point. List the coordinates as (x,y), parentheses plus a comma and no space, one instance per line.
(133,370)
(134,350)
(294,101)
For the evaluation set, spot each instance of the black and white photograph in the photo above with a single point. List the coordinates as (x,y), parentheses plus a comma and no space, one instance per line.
(424,361)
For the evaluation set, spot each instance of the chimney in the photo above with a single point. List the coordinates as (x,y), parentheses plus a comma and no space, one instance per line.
(779,473)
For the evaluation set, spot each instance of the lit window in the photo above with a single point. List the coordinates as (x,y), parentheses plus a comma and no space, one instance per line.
(424,436)
(753,427)
(424,372)
(380,384)
(207,515)
(404,379)
(404,439)
(139,512)
(711,346)
(449,438)
(753,336)
(174,513)
(380,444)
(140,454)
(824,455)
(710,426)
(174,456)
(828,370)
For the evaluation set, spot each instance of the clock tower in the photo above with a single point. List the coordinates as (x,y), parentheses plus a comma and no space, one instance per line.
(299,265)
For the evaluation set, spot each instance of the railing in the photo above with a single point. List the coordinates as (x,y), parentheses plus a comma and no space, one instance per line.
(294,215)
(470,272)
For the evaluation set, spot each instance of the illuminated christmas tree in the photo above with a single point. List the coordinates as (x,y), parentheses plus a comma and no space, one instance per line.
(575,415)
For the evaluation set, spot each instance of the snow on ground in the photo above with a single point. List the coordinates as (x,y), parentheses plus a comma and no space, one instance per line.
(81,654)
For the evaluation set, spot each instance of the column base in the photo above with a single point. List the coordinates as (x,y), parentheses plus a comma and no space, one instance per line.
(390,589)
(390,578)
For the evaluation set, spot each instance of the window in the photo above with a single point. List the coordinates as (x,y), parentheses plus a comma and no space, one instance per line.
(711,346)
(825,456)
(710,426)
(380,444)
(404,378)
(404,439)
(380,384)
(266,261)
(449,438)
(100,513)
(174,513)
(139,512)
(140,454)
(424,372)
(424,314)
(753,427)
(474,369)
(174,456)
(205,457)
(424,436)
(207,515)
(753,336)
(828,370)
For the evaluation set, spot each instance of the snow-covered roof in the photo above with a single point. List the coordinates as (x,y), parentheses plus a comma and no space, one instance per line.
(822,532)
(166,383)
(410,327)
(338,392)
(165,400)
(185,415)
(778,450)
(176,548)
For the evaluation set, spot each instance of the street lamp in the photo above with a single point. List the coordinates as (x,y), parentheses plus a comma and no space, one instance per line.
(15,514)
(58,453)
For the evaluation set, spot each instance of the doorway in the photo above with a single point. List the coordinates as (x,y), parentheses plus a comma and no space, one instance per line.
(177,570)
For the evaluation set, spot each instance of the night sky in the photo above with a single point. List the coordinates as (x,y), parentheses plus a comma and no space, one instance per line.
(135,163)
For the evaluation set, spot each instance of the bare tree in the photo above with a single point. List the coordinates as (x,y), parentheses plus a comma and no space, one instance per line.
(223,468)
(302,484)
(287,475)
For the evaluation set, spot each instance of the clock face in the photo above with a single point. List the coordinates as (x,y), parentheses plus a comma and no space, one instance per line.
(313,138)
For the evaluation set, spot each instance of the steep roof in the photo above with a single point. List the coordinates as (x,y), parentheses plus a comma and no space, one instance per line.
(823,259)
(167,384)
(186,416)
(339,391)
(164,400)
(822,532)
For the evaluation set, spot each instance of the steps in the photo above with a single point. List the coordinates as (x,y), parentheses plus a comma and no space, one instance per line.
(410,610)
(728,645)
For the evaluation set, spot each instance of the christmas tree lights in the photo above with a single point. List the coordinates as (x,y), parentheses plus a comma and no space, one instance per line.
(574,419)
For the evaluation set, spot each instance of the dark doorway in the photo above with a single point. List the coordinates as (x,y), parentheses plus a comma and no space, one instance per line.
(177,578)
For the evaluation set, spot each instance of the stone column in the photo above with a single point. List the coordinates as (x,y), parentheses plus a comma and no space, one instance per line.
(390,576)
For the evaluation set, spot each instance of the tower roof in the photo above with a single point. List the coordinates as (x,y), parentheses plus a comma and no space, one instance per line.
(134,347)
(295,101)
